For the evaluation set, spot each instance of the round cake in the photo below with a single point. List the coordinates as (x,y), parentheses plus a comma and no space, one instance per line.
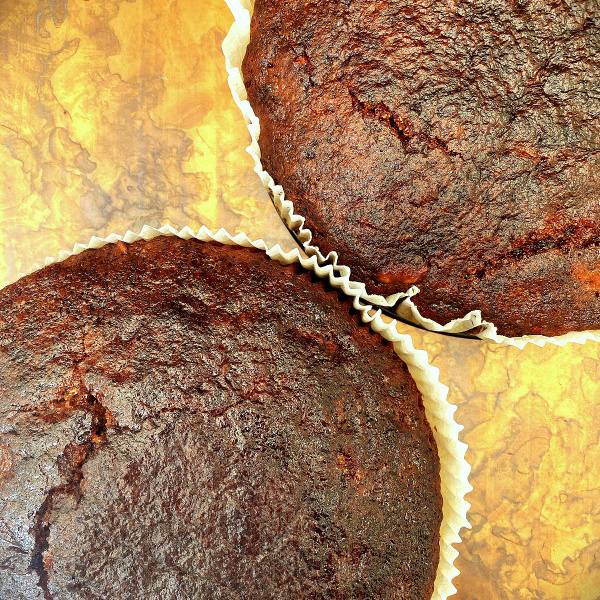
(451,146)
(181,419)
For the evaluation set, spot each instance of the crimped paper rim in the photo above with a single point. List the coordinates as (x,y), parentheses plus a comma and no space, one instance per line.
(454,469)
(234,49)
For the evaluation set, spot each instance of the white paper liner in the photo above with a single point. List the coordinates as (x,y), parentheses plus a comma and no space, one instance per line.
(440,413)
(234,49)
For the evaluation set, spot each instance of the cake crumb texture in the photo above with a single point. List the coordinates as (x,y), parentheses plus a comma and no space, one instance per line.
(189,420)
(452,146)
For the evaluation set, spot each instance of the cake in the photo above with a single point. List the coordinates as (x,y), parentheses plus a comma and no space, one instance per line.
(183,419)
(449,146)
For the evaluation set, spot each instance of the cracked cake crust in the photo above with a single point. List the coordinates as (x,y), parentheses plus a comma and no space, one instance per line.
(455,147)
(193,420)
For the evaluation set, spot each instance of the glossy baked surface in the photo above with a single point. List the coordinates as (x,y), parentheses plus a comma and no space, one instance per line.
(193,419)
(531,417)
(455,147)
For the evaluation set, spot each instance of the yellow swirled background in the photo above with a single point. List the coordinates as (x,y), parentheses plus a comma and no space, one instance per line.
(117,113)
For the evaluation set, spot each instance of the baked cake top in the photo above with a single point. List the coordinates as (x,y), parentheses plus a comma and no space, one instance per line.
(194,420)
(453,146)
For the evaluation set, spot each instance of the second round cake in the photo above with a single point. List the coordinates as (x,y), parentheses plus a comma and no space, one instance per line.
(452,146)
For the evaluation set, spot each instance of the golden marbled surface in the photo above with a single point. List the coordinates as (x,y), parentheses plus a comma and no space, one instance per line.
(532,423)
(117,113)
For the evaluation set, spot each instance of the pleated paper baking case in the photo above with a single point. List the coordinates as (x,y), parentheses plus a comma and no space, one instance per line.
(234,49)
(454,469)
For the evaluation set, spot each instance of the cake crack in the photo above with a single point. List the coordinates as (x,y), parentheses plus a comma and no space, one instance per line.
(302,59)
(70,464)
(401,129)
(383,114)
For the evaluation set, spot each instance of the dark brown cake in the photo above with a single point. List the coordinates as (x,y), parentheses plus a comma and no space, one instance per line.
(187,420)
(453,146)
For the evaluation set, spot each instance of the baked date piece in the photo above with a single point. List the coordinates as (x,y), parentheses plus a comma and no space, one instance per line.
(450,145)
(188,420)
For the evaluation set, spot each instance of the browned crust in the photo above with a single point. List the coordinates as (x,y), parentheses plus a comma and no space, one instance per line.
(452,146)
(191,418)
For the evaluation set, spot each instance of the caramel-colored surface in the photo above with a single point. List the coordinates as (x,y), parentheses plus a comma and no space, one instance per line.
(116,114)
(531,420)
